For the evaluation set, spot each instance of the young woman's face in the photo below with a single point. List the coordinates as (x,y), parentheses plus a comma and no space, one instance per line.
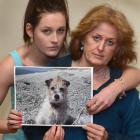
(50,33)
(100,45)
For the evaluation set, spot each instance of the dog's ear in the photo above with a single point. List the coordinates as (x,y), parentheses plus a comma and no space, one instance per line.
(48,82)
(67,83)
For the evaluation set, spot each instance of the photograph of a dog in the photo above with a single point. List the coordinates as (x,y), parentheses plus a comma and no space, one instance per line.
(47,95)
(55,103)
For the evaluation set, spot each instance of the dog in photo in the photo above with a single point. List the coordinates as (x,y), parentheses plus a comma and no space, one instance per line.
(54,109)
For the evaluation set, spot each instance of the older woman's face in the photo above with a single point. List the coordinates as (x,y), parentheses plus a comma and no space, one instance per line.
(100,45)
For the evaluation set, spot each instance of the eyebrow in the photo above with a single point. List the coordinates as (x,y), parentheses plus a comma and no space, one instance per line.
(102,35)
(52,27)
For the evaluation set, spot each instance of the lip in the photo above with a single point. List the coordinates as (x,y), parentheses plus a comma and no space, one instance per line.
(98,55)
(53,47)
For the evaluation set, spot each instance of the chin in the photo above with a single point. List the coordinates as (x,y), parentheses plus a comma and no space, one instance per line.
(96,63)
(53,55)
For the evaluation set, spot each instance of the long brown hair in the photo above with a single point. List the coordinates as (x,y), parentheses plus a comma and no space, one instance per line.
(36,7)
(125,41)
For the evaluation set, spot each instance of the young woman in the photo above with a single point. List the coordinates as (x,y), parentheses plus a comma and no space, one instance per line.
(46,25)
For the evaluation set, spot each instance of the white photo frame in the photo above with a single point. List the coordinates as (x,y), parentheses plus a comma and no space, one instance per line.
(44,101)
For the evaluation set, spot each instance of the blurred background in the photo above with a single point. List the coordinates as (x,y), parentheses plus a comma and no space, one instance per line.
(11,23)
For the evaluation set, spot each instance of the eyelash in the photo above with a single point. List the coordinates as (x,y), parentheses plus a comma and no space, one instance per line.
(96,38)
(110,41)
(61,31)
(49,31)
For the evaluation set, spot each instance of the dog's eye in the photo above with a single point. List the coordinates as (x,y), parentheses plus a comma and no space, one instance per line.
(52,88)
(62,89)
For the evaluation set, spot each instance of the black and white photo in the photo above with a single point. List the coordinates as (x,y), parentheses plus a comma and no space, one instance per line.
(53,95)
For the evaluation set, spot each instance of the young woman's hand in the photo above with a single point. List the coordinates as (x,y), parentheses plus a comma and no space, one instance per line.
(54,133)
(101,101)
(14,120)
(95,132)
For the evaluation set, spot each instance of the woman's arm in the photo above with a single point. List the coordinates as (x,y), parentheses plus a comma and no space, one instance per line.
(3,126)
(6,80)
(129,79)
(6,77)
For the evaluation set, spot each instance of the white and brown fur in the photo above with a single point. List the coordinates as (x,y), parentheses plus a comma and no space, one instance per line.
(54,109)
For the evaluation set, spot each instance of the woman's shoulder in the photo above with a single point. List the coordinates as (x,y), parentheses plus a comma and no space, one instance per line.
(64,61)
(6,63)
(6,71)
(16,57)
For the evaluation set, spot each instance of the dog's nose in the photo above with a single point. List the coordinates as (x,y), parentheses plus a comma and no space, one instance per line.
(56,97)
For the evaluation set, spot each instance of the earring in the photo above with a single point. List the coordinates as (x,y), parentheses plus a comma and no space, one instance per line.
(82,47)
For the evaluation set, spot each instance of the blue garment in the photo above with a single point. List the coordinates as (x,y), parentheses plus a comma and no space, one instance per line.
(16,58)
(121,120)
(17,62)
(19,135)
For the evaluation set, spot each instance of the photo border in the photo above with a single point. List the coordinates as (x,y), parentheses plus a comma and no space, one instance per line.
(15,102)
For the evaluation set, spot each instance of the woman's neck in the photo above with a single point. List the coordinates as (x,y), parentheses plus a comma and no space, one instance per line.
(33,57)
(80,63)
(100,76)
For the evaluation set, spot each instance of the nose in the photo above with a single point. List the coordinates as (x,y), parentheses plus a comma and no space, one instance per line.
(101,45)
(54,38)
(56,97)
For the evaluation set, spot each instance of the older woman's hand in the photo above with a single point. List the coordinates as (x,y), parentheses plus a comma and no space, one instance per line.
(14,120)
(95,132)
(54,133)
(101,101)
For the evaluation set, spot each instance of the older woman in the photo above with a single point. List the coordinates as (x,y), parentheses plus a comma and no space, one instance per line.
(104,40)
